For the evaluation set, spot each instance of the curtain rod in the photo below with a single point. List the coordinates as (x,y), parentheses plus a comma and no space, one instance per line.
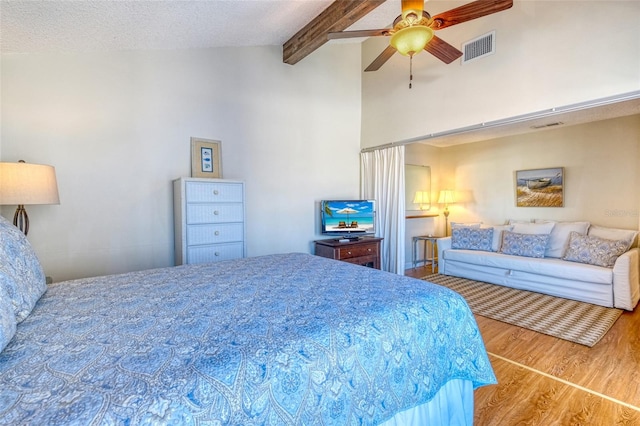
(513,120)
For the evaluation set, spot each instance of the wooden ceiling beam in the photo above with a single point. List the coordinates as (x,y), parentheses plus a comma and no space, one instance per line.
(340,15)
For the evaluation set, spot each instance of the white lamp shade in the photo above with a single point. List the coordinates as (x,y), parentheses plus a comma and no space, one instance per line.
(446,197)
(25,183)
(421,197)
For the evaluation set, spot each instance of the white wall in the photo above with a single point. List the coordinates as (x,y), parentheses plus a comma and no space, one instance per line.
(548,54)
(601,163)
(117,125)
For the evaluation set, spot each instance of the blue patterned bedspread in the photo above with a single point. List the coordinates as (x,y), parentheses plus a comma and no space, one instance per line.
(271,340)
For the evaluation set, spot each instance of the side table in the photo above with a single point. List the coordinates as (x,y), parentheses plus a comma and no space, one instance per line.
(430,244)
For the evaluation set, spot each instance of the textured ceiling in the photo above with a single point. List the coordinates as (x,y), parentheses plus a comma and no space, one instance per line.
(89,25)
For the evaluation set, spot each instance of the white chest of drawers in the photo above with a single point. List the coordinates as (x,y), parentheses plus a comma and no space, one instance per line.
(208,220)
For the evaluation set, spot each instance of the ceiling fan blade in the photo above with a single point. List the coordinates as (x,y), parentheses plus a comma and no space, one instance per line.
(360,33)
(442,50)
(381,59)
(468,12)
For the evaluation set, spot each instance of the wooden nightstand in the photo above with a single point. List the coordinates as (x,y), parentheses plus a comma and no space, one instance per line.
(365,251)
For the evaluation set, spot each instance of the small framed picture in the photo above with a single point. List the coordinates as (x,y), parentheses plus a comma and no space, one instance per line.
(206,161)
(540,187)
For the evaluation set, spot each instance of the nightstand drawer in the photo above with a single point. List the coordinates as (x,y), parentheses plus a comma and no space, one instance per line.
(358,251)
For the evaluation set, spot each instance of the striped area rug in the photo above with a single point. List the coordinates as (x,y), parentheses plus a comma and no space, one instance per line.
(566,319)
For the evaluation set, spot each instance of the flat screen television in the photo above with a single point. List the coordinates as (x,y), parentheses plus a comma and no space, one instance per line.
(348,218)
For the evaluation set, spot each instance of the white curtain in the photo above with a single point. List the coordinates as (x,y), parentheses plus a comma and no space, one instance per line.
(382,179)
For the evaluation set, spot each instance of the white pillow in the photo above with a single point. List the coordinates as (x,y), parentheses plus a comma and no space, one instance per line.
(533,228)
(514,221)
(628,235)
(497,236)
(465,225)
(559,237)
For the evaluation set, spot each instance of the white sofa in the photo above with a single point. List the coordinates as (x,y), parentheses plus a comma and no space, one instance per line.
(616,286)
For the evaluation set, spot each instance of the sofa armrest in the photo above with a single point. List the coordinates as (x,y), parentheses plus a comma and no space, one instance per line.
(626,280)
(443,244)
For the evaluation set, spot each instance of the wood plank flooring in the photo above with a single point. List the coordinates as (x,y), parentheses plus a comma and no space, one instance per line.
(543,380)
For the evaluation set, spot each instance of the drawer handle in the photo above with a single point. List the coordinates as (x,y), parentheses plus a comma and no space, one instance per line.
(348,252)
(215,192)
(217,253)
(217,232)
(369,250)
(216,212)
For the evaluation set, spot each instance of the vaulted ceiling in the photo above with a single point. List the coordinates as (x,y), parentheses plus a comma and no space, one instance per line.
(299,26)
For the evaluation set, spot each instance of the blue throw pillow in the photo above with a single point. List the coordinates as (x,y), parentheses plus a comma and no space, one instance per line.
(529,245)
(7,316)
(594,250)
(26,281)
(471,238)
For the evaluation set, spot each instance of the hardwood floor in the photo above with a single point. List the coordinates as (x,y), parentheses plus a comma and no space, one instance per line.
(543,380)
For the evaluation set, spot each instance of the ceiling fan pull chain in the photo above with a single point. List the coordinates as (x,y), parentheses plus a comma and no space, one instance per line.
(410,70)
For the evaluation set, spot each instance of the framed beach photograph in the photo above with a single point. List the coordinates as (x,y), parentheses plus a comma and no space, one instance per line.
(206,161)
(540,187)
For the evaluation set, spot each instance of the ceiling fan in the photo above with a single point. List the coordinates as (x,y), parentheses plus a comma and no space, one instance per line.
(413,30)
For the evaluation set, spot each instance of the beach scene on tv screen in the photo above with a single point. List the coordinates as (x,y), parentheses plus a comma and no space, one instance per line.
(349,216)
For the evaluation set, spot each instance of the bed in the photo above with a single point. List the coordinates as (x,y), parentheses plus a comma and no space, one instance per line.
(287,339)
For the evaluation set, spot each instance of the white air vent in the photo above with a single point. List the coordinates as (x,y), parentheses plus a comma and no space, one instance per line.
(479,47)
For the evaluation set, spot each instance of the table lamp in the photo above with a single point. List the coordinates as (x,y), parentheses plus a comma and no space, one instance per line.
(23,183)
(422,199)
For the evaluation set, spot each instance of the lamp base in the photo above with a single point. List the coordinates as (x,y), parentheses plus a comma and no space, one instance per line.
(446,222)
(21,219)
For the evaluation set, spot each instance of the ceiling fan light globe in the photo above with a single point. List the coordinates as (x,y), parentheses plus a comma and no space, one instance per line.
(411,40)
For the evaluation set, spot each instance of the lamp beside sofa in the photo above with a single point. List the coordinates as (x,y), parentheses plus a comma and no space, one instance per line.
(574,260)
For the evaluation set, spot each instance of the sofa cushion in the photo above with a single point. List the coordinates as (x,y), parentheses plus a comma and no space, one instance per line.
(529,245)
(559,236)
(496,243)
(627,235)
(576,272)
(533,228)
(471,238)
(594,250)
(465,224)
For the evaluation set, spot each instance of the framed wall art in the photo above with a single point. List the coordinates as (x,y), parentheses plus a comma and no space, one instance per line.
(540,187)
(206,160)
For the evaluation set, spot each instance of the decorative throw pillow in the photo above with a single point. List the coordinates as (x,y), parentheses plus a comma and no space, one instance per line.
(471,238)
(529,245)
(559,237)
(514,221)
(26,282)
(533,228)
(594,250)
(465,224)
(497,236)
(615,234)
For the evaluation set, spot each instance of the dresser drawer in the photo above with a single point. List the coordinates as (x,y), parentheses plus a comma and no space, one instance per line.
(215,252)
(358,251)
(215,233)
(214,213)
(213,192)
